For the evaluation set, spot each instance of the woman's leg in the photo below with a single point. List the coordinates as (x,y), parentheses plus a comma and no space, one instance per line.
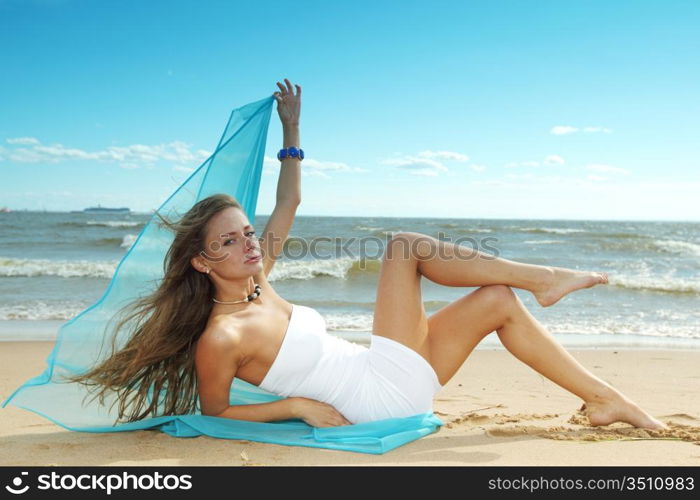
(456,329)
(399,313)
(529,341)
(449,264)
(448,336)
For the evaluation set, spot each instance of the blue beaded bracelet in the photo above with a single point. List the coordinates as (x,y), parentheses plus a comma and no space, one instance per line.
(290,152)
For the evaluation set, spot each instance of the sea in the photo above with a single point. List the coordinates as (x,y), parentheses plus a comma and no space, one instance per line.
(54,265)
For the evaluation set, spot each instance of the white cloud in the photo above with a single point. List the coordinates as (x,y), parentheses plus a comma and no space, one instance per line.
(548,160)
(23,155)
(23,140)
(563,130)
(444,155)
(329,166)
(518,176)
(596,129)
(315,173)
(311,167)
(132,156)
(426,172)
(428,163)
(566,129)
(416,165)
(607,169)
(554,160)
(596,178)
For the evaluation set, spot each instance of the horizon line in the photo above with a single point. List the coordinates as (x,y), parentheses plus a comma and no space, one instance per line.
(394,217)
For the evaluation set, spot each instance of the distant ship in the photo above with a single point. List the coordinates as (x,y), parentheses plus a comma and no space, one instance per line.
(5,210)
(105,210)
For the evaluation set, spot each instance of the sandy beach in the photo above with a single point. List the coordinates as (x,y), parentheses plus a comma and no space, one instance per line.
(497,411)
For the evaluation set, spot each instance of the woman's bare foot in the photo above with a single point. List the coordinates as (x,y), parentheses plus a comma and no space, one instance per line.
(562,281)
(619,409)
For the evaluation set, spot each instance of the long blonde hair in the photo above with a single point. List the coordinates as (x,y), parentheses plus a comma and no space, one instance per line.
(160,354)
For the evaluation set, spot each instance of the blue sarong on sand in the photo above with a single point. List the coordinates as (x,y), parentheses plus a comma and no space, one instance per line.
(234,168)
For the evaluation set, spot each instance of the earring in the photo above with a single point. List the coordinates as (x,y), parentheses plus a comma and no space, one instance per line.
(207,271)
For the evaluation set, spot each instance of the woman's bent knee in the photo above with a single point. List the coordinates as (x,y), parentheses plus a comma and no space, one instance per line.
(401,246)
(498,295)
(410,245)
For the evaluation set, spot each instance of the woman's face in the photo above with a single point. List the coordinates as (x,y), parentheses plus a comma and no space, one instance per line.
(229,245)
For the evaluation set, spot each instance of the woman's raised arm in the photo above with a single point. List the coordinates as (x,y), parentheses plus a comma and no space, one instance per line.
(289,183)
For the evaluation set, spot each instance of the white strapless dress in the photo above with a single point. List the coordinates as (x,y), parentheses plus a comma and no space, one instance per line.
(386,380)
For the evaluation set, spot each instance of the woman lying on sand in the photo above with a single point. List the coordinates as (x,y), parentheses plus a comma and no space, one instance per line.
(216,317)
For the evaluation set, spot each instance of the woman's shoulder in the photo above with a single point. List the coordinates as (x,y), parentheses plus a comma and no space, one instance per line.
(222,331)
(220,342)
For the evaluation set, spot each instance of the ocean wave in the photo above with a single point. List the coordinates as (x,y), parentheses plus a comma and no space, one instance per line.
(591,235)
(596,326)
(114,223)
(621,236)
(471,230)
(353,322)
(452,228)
(646,245)
(99,223)
(106,242)
(621,327)
(384,233)
(128,240)
(340,268)
(675,246)
(62,268)
(662,324)
(360,266)
(124,242)
(309,269)
(660,283)
(549,230)
(543,242)
(459,227)
(38,310)
(430,305)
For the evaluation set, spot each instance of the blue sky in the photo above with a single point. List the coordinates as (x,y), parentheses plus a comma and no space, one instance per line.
(489,109)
